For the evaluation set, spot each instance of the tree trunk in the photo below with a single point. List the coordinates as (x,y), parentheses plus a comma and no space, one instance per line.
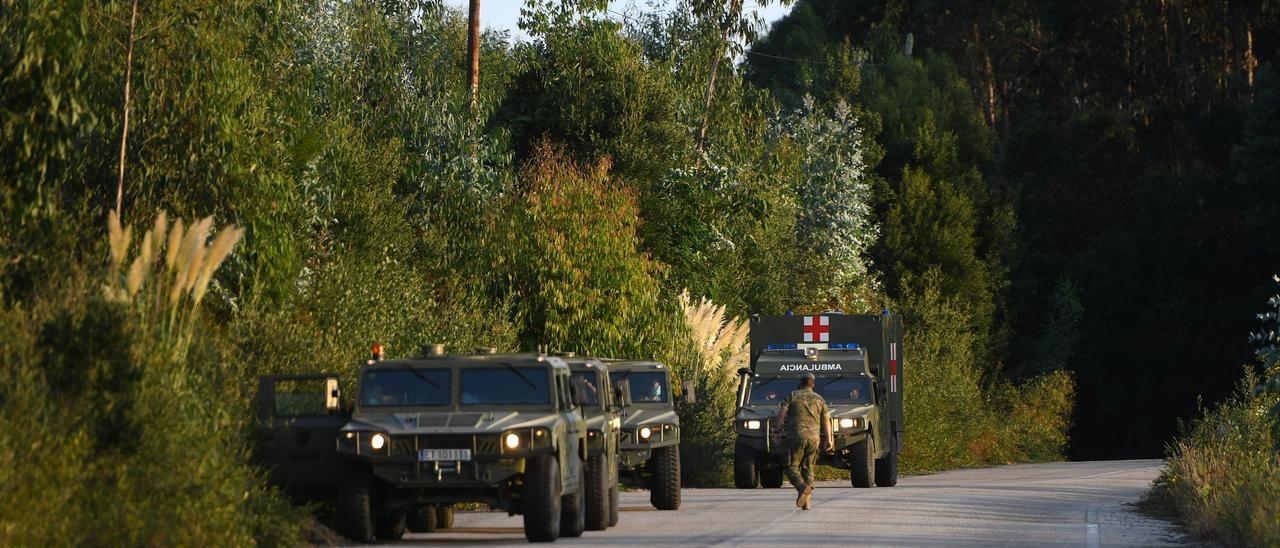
(124,132)
(473,52)
(734,12)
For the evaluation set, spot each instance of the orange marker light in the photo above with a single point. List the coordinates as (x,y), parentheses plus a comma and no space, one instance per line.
(377,351)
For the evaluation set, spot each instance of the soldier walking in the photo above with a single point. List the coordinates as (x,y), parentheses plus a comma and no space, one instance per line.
(806,423)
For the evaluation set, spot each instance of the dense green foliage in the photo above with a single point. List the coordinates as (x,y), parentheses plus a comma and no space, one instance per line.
(1096,182)
(571,206)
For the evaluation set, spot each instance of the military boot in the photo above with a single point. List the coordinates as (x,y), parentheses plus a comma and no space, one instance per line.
(802,502)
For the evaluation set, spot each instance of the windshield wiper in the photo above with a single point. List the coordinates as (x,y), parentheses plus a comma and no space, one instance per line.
(420,375)
(519,373)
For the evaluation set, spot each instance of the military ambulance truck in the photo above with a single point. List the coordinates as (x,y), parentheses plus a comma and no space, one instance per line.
(428,432)
(857,362)
(602,403)
(650,452)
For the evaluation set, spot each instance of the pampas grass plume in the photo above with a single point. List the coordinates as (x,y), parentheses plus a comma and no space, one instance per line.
(218,251)
(136,274)
(174,246)
(161,225)
(118,238)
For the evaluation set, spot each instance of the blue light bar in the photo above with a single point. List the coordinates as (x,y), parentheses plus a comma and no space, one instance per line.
(849,346)
(789,346)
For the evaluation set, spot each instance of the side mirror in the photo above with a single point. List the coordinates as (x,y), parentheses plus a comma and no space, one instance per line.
(880,391)
(689,397)
(624,393)
(332,395)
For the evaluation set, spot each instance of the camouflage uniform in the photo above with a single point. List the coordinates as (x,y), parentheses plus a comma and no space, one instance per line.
(806,415)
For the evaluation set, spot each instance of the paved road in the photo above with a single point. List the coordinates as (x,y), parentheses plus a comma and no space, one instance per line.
(1064,504)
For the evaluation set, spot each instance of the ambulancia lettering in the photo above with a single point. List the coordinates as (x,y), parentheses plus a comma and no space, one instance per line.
(810,367)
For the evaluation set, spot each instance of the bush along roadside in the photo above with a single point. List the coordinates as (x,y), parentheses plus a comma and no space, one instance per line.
(1223,472)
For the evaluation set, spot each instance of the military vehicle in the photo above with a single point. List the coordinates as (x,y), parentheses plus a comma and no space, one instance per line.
(650,452)
(428,432)
(857,362)
(602,403)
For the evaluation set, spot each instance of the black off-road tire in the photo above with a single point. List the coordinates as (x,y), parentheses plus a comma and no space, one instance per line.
(772,478)
(597,488)
(542,499)
(887,469)
(354,504)
(613,505)
(665,467)
(573,511)
(863,469)
(391,525)
(422,518)
(444,516)
(745,474)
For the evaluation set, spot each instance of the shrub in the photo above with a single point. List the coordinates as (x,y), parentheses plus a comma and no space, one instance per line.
(123,419)
(1221,477)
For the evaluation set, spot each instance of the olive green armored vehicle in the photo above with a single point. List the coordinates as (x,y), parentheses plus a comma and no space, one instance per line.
(856,360)
(428,432)
(650,452)
(602,402)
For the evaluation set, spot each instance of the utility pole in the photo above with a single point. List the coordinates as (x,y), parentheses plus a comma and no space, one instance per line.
(473,53)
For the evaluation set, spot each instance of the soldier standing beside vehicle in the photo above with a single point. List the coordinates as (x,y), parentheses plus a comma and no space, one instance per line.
(805,421)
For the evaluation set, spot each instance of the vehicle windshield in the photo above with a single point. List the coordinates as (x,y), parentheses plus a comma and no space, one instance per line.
(844,389)
(508,385)
(772,389)
(646,386)
(591,386)
(834,389)
(392,387)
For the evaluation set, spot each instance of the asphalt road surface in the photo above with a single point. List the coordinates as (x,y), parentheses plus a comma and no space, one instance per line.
(1060,504)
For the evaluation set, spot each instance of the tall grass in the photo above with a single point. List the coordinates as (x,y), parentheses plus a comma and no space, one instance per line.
(1223,471)
(716,346)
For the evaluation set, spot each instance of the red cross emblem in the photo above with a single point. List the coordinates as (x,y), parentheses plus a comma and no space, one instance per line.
(817,329)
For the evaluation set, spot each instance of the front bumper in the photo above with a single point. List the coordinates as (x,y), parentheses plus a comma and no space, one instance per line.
(634,452)
(776,453)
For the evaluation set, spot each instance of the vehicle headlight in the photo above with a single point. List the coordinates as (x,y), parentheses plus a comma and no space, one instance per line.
(377,442)
(753,425)
(511,440)
(645,432)
(850,423)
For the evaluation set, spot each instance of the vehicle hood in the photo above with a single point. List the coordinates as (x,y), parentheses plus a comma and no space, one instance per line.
(758,411)
(444,422)
(635,416)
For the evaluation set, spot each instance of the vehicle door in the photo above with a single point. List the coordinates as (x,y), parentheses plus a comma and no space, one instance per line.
(298,421)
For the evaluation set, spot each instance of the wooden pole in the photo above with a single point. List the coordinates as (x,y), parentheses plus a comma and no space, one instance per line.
(124,132)
(473,52)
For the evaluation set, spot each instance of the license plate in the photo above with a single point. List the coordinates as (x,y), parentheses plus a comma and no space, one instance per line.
(444,454)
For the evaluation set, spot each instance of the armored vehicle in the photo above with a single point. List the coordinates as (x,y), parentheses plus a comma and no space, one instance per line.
(650,452)
(857,362)
(601,402)
(429,432)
